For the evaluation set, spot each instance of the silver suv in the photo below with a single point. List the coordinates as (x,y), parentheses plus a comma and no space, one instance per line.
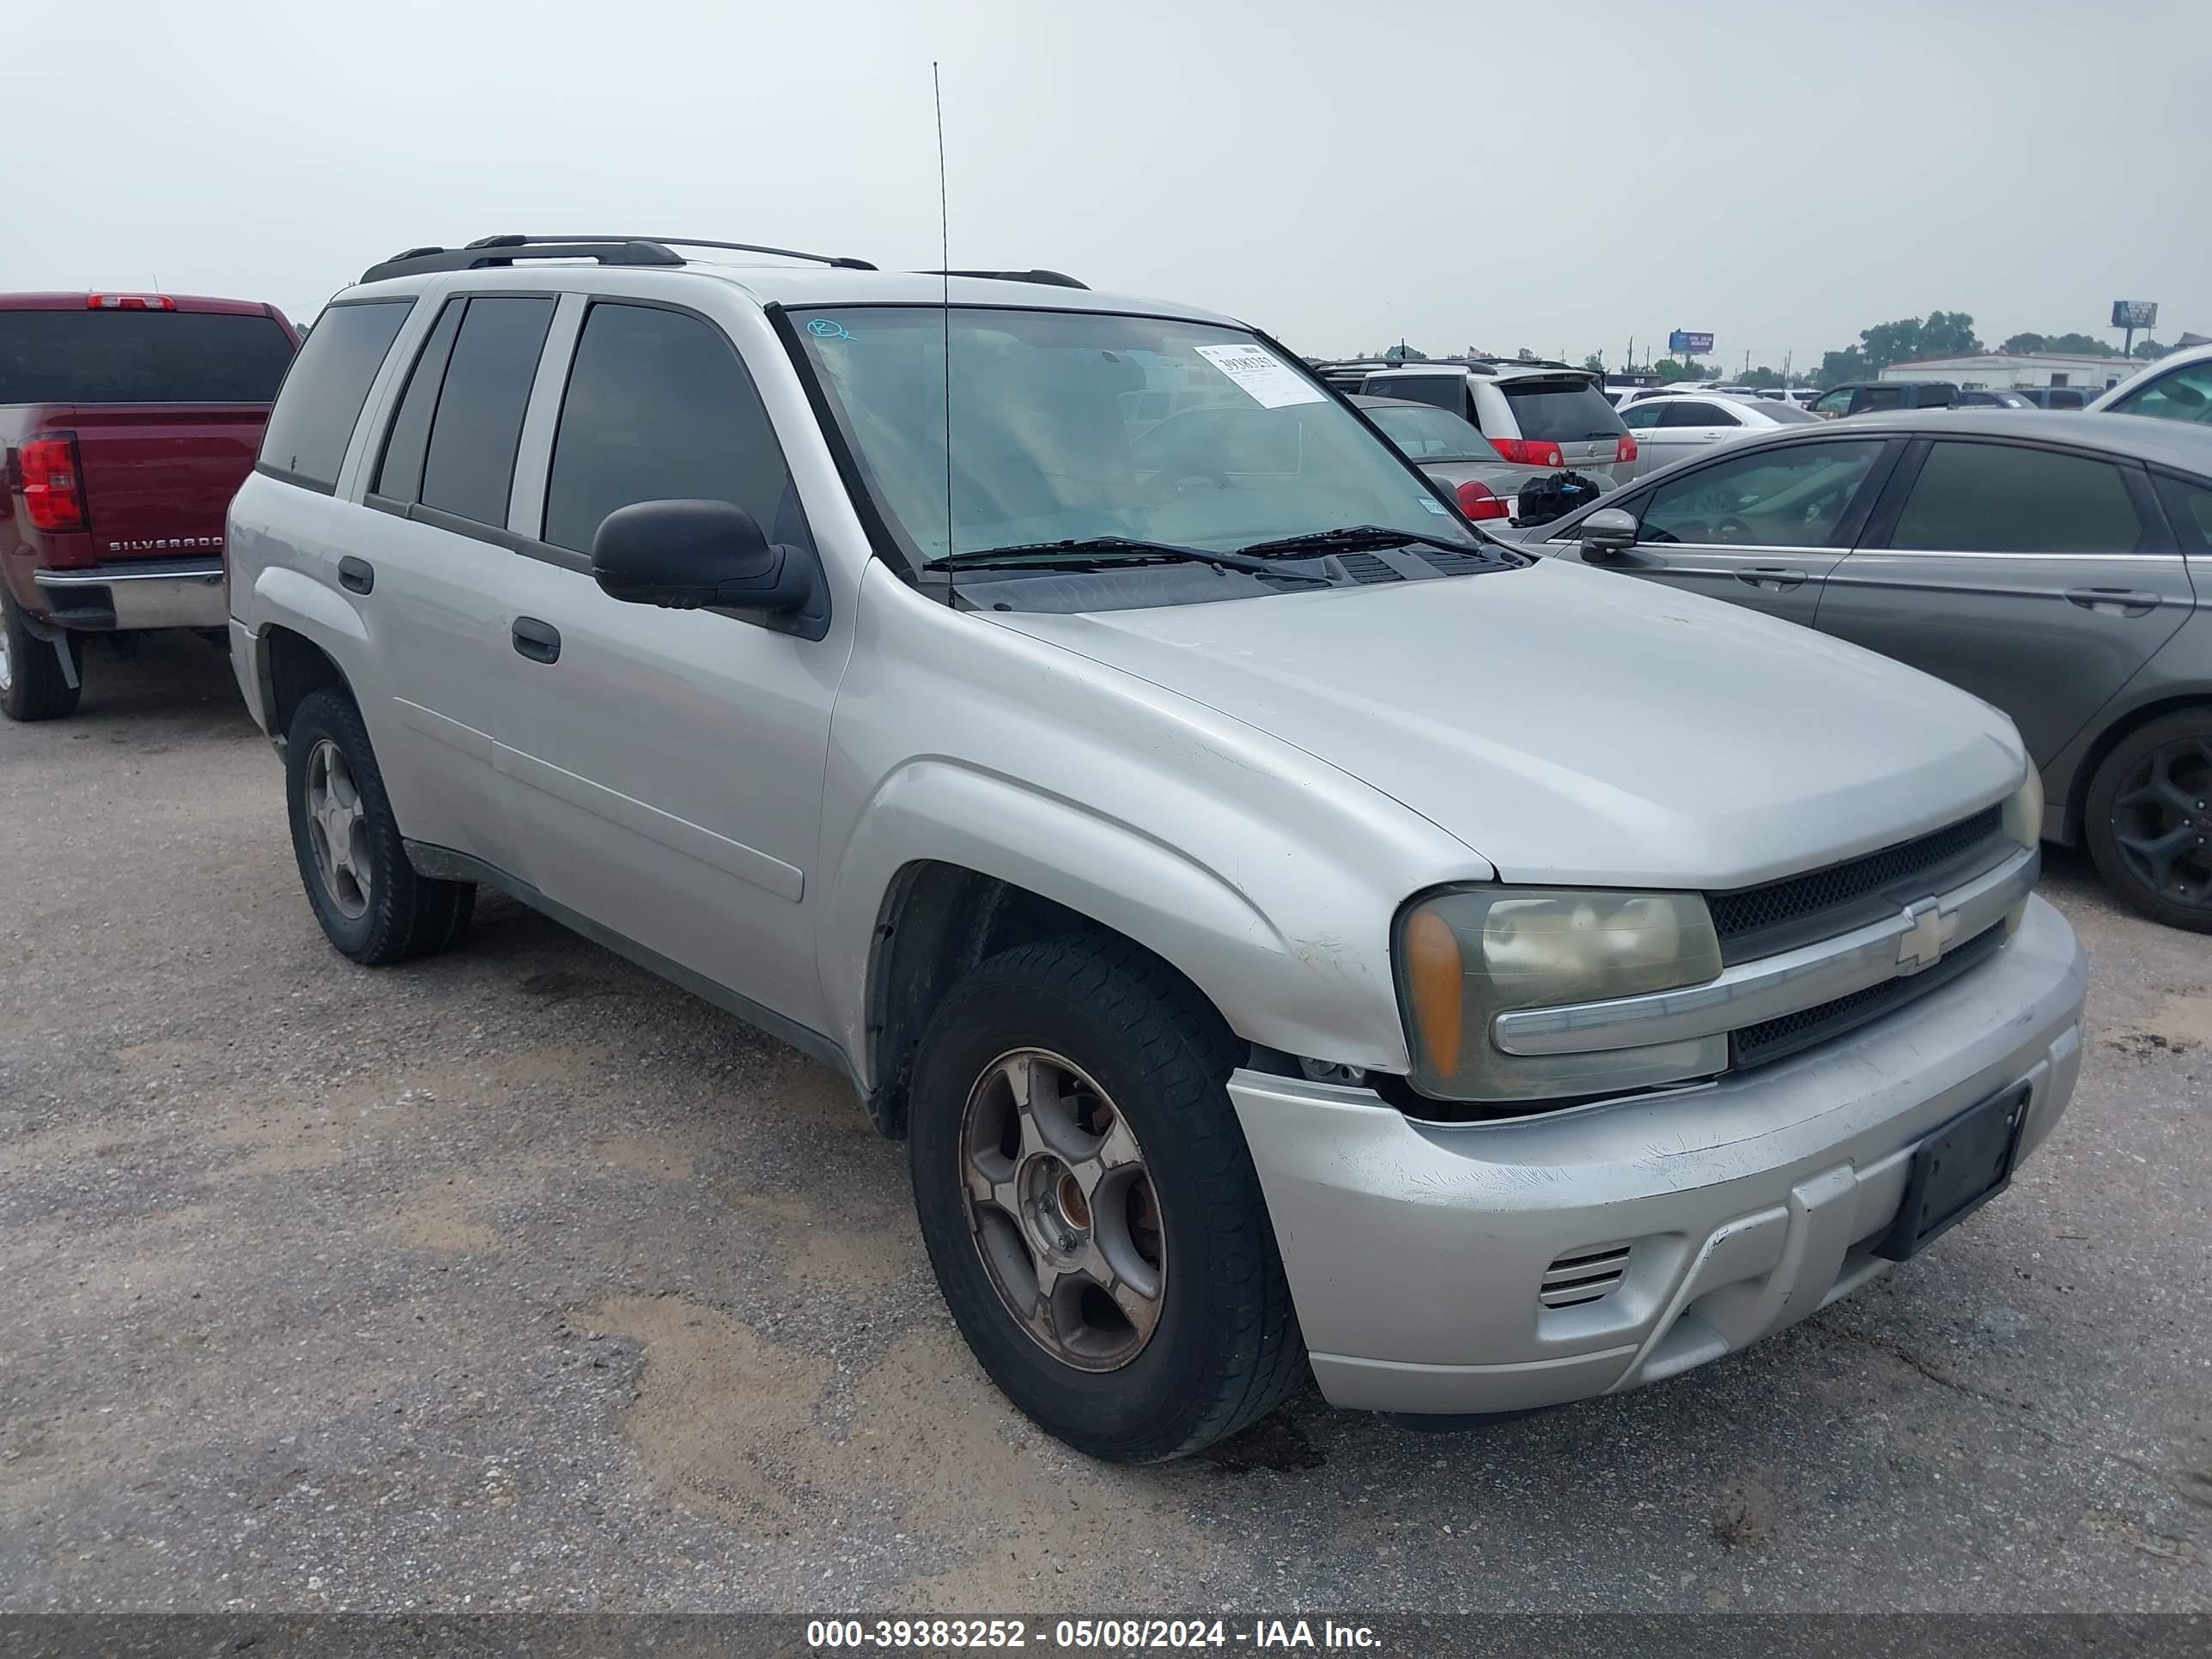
(1295,933)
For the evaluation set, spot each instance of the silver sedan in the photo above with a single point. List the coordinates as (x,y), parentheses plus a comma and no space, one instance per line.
(1678,424)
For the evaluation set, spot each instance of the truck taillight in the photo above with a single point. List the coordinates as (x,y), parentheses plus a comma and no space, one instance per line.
(129,302)
(1625,449)
(1478,501)
(52,497)
(1529,452)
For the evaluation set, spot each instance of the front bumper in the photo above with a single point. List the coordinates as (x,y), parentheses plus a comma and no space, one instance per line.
(1416,1252)
(148,594)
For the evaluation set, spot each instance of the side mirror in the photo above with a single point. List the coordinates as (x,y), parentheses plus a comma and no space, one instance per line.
(687,554)
(1608,530)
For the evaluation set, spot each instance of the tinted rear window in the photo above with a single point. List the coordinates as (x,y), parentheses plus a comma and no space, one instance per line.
(140,357)
(1565,412)
(1787,414)
(313,422)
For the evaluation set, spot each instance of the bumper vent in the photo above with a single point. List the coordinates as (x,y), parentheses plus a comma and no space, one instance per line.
(1775,915)
(1585,1275)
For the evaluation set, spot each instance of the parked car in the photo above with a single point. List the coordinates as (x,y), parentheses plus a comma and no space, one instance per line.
(126,422)
(1455,455)
(2058,397)
(2057,568)
(1541,418)
(1263,988)
(1993,398)
(1667,429)
(1872,396)
(2176,387)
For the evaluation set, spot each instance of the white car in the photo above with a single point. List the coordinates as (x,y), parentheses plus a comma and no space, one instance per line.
(2177,387)
(1684,424)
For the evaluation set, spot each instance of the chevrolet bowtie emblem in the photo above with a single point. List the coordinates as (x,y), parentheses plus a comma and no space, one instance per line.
(1928,930)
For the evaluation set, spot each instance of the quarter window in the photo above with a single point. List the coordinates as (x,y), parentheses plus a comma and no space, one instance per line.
(660,408)
(2006,498)
(1794,496)
(468,468)
(313,419)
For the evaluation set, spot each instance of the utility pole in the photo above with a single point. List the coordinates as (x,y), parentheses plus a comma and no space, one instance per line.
(1785,371)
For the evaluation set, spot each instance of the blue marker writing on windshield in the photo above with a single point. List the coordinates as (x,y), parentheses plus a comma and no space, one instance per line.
(822,328)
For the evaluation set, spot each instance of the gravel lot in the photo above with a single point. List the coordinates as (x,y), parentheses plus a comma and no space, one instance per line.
(518,1278)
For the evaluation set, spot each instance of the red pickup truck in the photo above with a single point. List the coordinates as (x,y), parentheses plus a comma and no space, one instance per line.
(127,421)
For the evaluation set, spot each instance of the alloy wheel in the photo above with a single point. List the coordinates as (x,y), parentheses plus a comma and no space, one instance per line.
(338,827)
(2162,821)
(1063,1210)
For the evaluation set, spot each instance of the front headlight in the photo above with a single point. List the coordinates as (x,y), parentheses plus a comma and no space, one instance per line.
(1468,955)
(2023,813)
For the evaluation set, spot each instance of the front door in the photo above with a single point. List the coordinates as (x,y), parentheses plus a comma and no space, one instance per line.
(2038,579)
(1760,526)
(668,765)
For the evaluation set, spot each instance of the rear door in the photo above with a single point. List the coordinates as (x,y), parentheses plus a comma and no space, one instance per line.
(1567,409)
(1760,526)
(2040,579)
(1688,427)
(1642,420)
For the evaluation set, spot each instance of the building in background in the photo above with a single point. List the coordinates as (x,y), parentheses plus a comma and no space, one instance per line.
(2000,368)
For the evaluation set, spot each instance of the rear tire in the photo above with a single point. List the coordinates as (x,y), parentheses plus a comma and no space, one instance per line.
(32,684)
(1207,1340)
(371,905)
(2148,819)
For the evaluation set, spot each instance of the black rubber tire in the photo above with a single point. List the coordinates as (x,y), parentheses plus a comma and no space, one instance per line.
(408,914)
(37,688)
(2097,826)
(1227,1349)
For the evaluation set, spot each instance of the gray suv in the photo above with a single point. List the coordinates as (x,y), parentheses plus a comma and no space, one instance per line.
(1263,991)
(2059,566)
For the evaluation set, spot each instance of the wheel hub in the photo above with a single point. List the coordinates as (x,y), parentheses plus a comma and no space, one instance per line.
(1062,1210)
(2162,821)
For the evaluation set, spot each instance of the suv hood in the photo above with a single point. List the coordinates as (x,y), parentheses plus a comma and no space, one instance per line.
(1579,727)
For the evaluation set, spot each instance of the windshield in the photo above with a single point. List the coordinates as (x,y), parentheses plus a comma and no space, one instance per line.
(1785,414)
(1423,433)
(1561,412)
(1048,444)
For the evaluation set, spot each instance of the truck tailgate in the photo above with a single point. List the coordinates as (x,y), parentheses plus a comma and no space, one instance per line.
(158,477)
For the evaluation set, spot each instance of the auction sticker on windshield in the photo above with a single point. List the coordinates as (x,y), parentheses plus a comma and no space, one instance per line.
(1264,378)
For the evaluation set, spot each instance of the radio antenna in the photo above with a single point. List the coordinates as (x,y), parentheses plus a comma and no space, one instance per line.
(944,267)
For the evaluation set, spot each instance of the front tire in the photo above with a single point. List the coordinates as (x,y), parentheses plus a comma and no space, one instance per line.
(371,903)
(1090,1205)
(32,686)
(2148,819)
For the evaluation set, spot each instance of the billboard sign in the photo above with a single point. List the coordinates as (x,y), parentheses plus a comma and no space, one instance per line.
(1684,343)
(2134,313)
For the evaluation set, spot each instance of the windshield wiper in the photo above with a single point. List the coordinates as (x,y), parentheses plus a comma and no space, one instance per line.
(1119,549)
(1352,536)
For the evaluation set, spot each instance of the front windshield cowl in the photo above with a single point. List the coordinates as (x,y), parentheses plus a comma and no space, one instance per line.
(1086,426)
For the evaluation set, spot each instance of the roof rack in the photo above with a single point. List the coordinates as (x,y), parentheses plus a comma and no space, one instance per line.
(607,250)
(1049,278)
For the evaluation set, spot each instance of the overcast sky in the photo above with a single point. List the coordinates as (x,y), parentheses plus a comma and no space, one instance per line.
(1560,176)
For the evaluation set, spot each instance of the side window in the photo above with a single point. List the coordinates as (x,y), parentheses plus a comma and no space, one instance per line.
(1878,396)
(659,407)
(2183,395)
(1838,402)
(315,412)
(2064,398)
(2002,498)
(1692,413)
(399,474)
(1445,390)
(2190,507)
(1794,496)
(1637,416)
(468,466)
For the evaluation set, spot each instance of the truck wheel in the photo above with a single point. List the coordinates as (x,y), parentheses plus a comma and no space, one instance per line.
(1090,1205)
(2149,819)
(32,684)
(371,905)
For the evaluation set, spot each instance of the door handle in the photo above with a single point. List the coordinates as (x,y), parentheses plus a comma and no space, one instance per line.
(539,641)
(1779,578)
(357,576)
(2128,601)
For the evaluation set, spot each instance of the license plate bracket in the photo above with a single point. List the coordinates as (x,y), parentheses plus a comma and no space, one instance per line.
(1955,1170)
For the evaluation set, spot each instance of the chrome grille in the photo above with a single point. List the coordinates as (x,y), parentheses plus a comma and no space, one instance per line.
(1798,910)
(1585,1275)
(1773,1039)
